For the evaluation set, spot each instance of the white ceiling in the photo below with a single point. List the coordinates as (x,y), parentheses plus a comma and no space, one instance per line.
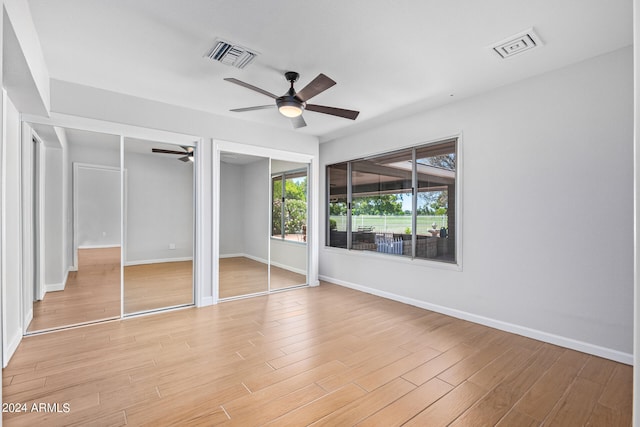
(388,58)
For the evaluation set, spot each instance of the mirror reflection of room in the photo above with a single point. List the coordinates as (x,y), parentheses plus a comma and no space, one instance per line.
(289,189)
(159,233)
(244,225)
(76,212)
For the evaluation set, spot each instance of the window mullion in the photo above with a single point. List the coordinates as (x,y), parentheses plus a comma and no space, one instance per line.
(349,196)
(284,180)
(414,203)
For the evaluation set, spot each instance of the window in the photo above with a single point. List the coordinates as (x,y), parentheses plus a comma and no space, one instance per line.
(289,205)
(400,203)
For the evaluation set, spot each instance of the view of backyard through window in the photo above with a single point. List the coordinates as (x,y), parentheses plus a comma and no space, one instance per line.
(289,206)
(373,205)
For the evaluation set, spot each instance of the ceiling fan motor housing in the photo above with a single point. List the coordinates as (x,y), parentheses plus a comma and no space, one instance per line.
(289,104)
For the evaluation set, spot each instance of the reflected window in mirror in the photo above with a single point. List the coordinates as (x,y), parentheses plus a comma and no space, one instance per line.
(289,205)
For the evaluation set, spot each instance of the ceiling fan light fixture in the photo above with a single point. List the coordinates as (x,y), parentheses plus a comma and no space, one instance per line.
(290,110)
(289,107)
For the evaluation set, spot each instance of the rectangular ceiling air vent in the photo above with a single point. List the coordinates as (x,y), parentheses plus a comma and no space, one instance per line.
(517,43)
(231,54)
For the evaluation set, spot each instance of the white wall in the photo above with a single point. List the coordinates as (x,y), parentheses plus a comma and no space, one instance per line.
(159,208)
(54,269)
(289,255)
(546,209)
(244,210)
(11,232)
(231,210)
(256,209)
(98,205)
(105,155)
(283,166)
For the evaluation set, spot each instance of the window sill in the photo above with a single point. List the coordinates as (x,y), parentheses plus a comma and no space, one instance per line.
(395,258)
(288,242)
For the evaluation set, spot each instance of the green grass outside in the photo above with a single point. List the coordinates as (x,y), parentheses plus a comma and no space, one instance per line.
(391,224)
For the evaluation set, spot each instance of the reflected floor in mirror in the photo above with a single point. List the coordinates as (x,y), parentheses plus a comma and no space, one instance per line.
(282,278)
(244,276)
(92,293)
(158,285)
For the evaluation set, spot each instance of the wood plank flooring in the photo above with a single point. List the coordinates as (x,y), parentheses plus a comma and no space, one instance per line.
(322,356)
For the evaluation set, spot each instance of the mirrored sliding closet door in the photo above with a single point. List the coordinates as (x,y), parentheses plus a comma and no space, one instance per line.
(244,225)
(159,225)
(75,189)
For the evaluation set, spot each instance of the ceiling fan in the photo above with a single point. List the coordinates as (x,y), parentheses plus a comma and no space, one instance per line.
(187,153)
(293,103)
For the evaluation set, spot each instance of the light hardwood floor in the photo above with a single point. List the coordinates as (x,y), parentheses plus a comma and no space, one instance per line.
(324,355)
(93,292)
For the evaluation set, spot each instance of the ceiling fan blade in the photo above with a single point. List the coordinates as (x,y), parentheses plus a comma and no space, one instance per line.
(158,150)
(298,122)
(185,158)
(259,107)
(252,87)
(317,85)
(340,112)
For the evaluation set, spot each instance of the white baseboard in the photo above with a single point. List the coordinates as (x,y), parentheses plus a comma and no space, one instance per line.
(566,342)
(27,319)
(157,261)
(264,261)
(255,258)
(54,287)
(289,268)
(232,255)
(98,246)
(206,301)
(12,345)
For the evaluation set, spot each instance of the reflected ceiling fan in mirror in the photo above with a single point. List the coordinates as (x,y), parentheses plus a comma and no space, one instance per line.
(293,103)
(187,153)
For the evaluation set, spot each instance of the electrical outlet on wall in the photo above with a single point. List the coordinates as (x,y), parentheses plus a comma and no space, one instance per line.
(172,246)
